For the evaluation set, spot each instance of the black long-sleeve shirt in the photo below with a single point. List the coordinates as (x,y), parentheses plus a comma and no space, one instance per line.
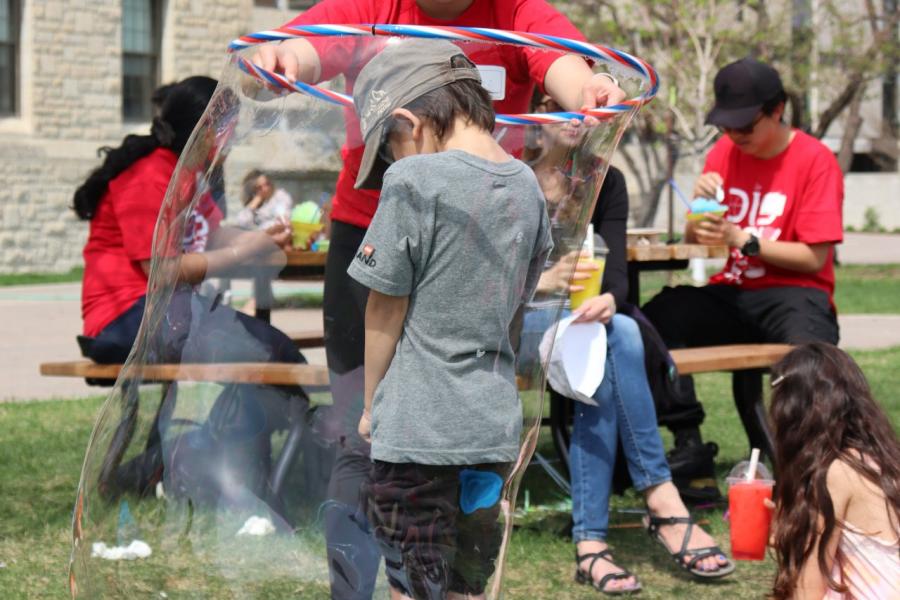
(610,220)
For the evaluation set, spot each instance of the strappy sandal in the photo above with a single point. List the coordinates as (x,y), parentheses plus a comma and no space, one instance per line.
(587,578)
(697,554)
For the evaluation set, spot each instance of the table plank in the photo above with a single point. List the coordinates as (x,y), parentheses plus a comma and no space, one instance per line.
(261,373)
(306,258)
(654,252)
(733,357)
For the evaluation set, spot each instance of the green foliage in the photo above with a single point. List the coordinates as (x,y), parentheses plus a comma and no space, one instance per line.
(872,221)
(836,50)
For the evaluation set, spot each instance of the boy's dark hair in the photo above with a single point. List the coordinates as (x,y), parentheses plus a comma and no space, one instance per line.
(465,98)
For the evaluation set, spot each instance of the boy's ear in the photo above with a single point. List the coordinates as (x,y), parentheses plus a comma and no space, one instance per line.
(407,118)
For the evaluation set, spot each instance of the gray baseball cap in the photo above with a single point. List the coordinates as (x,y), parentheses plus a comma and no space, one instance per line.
(405,70)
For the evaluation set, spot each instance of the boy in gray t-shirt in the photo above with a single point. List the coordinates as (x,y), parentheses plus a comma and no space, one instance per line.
(456,247)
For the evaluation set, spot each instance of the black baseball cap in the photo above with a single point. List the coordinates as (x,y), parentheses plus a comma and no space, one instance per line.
(741,90)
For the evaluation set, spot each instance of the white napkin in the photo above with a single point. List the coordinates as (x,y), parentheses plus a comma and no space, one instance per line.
(576,365)
(136,549)
(257,526)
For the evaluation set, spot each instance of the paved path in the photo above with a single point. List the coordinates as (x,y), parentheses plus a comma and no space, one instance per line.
(40,324)
(870,249)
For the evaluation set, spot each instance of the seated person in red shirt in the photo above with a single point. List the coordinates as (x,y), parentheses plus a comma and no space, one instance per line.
(122,200)
(784,192)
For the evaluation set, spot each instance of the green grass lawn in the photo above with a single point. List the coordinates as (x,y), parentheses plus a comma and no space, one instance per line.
(40,278)
(42,447)
(859,289)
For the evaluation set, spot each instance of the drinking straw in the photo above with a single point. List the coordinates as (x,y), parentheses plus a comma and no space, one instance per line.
(754,460)
(590,240)
(681,195)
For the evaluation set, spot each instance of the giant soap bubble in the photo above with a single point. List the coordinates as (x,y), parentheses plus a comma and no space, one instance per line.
(209,469)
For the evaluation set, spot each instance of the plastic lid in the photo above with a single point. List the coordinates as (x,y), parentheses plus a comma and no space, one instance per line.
(739,473)
(306,212)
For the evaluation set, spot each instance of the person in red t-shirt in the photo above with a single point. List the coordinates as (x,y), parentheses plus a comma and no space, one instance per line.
(510,74)
(784,192)
(122,200)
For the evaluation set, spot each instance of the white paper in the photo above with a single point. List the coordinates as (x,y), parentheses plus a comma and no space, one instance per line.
(136,549)
(576,366)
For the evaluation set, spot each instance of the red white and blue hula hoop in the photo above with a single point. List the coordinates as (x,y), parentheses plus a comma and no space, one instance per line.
(475,34)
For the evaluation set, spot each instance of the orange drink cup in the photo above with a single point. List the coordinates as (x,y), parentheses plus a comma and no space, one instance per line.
(591,285)
(749,517)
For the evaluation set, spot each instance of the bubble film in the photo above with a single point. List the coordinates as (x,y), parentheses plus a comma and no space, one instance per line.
(239,482)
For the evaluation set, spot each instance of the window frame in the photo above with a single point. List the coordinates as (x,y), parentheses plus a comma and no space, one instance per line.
(154,54)
(14,44)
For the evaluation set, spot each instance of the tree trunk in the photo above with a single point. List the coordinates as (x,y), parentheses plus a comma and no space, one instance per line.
(851,130)
(651,202)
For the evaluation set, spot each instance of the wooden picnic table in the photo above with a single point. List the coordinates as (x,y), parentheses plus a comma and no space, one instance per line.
(305,265)
(663,257)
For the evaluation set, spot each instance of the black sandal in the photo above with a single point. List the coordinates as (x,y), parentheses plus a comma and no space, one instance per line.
(587,578)
(697,554)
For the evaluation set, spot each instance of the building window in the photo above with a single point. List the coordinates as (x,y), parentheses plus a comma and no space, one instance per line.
(141,39)
(9,57)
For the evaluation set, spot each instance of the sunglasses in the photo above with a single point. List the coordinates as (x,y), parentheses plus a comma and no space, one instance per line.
(746,129)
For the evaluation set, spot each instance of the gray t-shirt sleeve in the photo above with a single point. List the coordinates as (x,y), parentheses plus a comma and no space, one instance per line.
(391,251)
(543,245)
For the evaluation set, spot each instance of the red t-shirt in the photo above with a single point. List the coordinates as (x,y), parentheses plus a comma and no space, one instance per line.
(796,196)
(521,67)
(121,236)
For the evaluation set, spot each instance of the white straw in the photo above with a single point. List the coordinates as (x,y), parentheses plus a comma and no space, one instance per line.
(754,460)
(589,242)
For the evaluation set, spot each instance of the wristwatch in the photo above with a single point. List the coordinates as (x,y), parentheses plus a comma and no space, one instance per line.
(751,246)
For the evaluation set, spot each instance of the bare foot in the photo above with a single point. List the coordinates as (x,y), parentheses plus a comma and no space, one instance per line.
(664,501)
(602,567)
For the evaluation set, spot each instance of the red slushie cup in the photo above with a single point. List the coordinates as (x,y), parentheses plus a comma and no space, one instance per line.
(749,517)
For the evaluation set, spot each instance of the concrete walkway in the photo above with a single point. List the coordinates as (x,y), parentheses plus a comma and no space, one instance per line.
(40,324)
(869,249)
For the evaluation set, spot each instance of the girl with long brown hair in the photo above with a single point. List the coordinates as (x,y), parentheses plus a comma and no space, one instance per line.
(837,516)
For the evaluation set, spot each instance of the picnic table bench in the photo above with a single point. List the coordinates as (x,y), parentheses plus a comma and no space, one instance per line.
(746,362)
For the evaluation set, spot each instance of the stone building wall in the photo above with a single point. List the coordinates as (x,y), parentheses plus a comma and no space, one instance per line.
(70,100)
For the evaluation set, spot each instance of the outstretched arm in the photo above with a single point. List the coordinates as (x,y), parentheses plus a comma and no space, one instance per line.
(572,83)
(385,316)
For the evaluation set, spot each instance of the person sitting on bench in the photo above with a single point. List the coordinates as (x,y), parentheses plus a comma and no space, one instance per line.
(624,405)
(784,193)
(121,199)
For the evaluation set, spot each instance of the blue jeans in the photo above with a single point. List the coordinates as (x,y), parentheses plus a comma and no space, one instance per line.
(625,411)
